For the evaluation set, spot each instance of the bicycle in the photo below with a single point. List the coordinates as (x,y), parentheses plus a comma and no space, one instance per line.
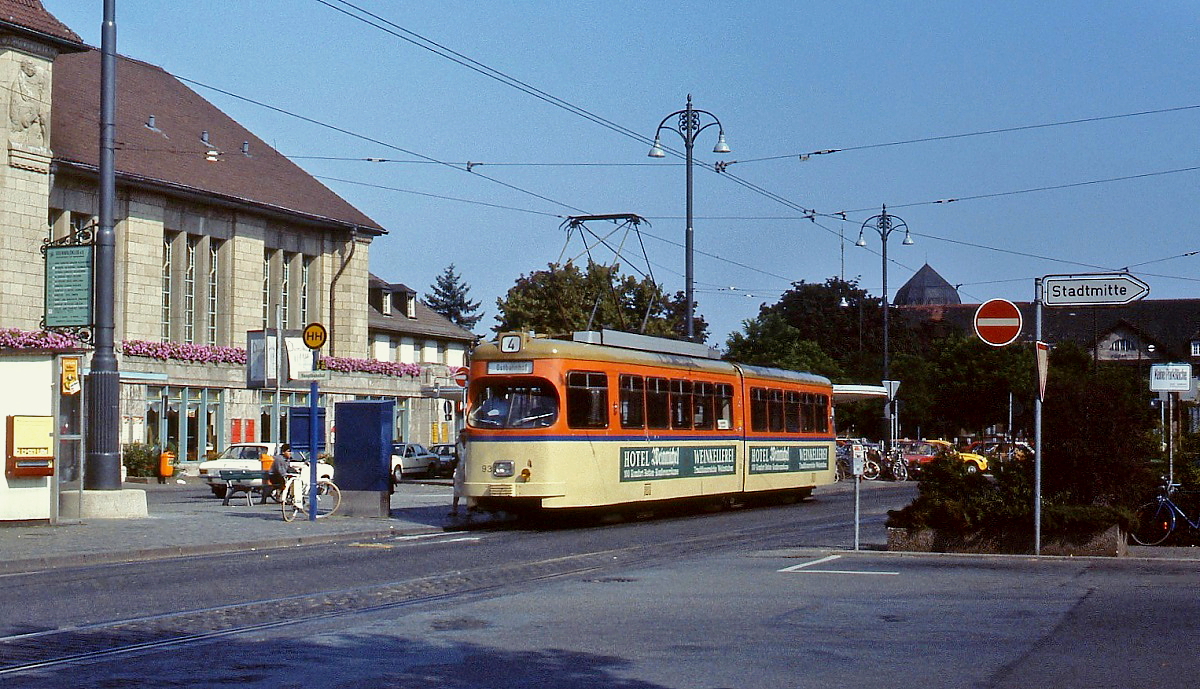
(1158,519)
(293,499)
(897,467)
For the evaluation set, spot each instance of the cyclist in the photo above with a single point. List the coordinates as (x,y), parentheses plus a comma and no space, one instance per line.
(278,473)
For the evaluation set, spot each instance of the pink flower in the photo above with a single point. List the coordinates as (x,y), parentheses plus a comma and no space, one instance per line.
(12,338)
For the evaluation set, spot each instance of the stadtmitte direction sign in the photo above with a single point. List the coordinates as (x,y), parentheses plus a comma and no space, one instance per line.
(1098,289)
(998,322)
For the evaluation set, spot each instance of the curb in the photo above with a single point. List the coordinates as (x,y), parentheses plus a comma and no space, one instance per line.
(31,565)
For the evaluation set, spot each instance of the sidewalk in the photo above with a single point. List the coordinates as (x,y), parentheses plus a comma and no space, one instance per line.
(186,519)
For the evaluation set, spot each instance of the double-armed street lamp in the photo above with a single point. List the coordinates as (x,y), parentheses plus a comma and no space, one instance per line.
(690,126)
(884,225)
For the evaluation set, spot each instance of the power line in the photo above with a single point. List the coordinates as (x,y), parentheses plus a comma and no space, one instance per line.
(363,137)
(947,137)
(432,46)
(808,214)
(438,196)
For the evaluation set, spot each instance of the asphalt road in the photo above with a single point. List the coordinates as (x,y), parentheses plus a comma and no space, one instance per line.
(761,597)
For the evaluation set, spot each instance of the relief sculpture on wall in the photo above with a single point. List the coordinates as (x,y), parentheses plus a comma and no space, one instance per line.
(29,107)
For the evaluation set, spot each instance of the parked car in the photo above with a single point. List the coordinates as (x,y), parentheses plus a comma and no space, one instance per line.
(448,457)
(918,453)
(999,451)
(252,457)
(412,458)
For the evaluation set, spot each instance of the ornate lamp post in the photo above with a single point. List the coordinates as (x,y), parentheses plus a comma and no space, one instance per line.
(689,128)
(884,224)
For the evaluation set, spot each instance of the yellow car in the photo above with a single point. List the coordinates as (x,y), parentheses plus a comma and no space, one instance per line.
(921,452)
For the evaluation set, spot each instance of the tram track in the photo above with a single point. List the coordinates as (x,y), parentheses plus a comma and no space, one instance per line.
(97,642)
(34,650)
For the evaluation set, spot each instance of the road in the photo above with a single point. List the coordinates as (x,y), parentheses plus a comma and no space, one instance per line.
(762,597)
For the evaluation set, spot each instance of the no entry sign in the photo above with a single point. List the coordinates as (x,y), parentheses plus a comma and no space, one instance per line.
(998,322)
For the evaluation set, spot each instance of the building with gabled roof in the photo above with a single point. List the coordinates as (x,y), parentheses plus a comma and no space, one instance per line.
(217,235)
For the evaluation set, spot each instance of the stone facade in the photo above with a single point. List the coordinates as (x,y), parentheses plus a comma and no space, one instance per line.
(208,248)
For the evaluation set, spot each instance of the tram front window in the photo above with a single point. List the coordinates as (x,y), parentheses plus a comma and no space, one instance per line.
(515,405)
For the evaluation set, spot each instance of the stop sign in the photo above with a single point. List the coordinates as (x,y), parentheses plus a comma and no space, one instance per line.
(998,322)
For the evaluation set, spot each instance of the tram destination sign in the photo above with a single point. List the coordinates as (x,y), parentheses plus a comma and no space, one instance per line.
(1097,289)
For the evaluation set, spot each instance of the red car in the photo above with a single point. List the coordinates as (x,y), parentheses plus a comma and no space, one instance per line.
(918,453)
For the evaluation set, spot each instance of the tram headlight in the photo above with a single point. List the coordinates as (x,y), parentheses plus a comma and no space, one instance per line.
(502,469)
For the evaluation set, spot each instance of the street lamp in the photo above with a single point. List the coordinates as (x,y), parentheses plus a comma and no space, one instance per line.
(689,128)
(884,225)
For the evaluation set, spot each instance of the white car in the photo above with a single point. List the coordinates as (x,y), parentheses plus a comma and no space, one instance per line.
(250,457)
(413,458)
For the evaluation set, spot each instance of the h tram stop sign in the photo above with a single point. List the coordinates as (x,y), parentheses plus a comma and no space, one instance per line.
(998,322)
(315,336)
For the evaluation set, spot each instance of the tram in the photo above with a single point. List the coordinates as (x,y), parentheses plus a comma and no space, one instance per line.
(611,419)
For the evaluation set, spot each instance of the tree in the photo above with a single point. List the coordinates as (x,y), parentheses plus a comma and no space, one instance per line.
(563,299)
(770,341)
(841,319)
(1098,433)
(449,298)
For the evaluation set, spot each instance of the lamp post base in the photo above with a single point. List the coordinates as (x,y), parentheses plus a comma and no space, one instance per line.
(103,504)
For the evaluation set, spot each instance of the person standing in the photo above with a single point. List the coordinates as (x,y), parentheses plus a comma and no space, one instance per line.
(460,468)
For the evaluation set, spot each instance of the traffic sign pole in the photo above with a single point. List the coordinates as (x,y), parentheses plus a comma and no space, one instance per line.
(315,336)
(1037,428)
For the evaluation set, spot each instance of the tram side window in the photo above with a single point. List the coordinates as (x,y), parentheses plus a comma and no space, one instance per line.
(758,408)
(703,407)
(775,411)
(658,403)
(809,413)
(795,415)
(723,401)
(633,402)
(681,404)
(816,417)
(587,400)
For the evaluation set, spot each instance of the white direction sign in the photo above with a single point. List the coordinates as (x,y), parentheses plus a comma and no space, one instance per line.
(1098,289)
(1170,377)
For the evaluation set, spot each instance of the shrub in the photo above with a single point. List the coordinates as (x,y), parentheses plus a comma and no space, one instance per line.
(140,459)
(957,503)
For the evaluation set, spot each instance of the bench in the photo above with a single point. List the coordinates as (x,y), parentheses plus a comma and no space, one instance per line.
(243,481)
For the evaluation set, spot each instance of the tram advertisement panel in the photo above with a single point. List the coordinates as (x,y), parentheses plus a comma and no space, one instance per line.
(642,463)
(774,459)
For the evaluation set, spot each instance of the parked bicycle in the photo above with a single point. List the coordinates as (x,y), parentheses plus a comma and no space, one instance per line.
(293,499)
(1158,519)
(896,468)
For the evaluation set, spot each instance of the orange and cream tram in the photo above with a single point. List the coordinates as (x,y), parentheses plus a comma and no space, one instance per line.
(614,419)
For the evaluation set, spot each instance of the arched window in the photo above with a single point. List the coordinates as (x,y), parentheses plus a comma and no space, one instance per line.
(1122,344)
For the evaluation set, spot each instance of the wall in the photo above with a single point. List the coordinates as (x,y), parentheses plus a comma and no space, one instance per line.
(33,374)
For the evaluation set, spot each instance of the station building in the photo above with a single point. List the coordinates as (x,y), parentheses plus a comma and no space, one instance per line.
(217,235)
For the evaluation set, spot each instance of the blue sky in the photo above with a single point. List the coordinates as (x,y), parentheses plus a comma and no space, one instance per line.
(784,78)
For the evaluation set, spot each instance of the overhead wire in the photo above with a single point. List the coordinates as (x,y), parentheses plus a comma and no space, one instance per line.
(985,132)
(384,24)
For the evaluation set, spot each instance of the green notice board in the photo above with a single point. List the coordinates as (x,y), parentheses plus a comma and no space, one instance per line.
(68,286)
